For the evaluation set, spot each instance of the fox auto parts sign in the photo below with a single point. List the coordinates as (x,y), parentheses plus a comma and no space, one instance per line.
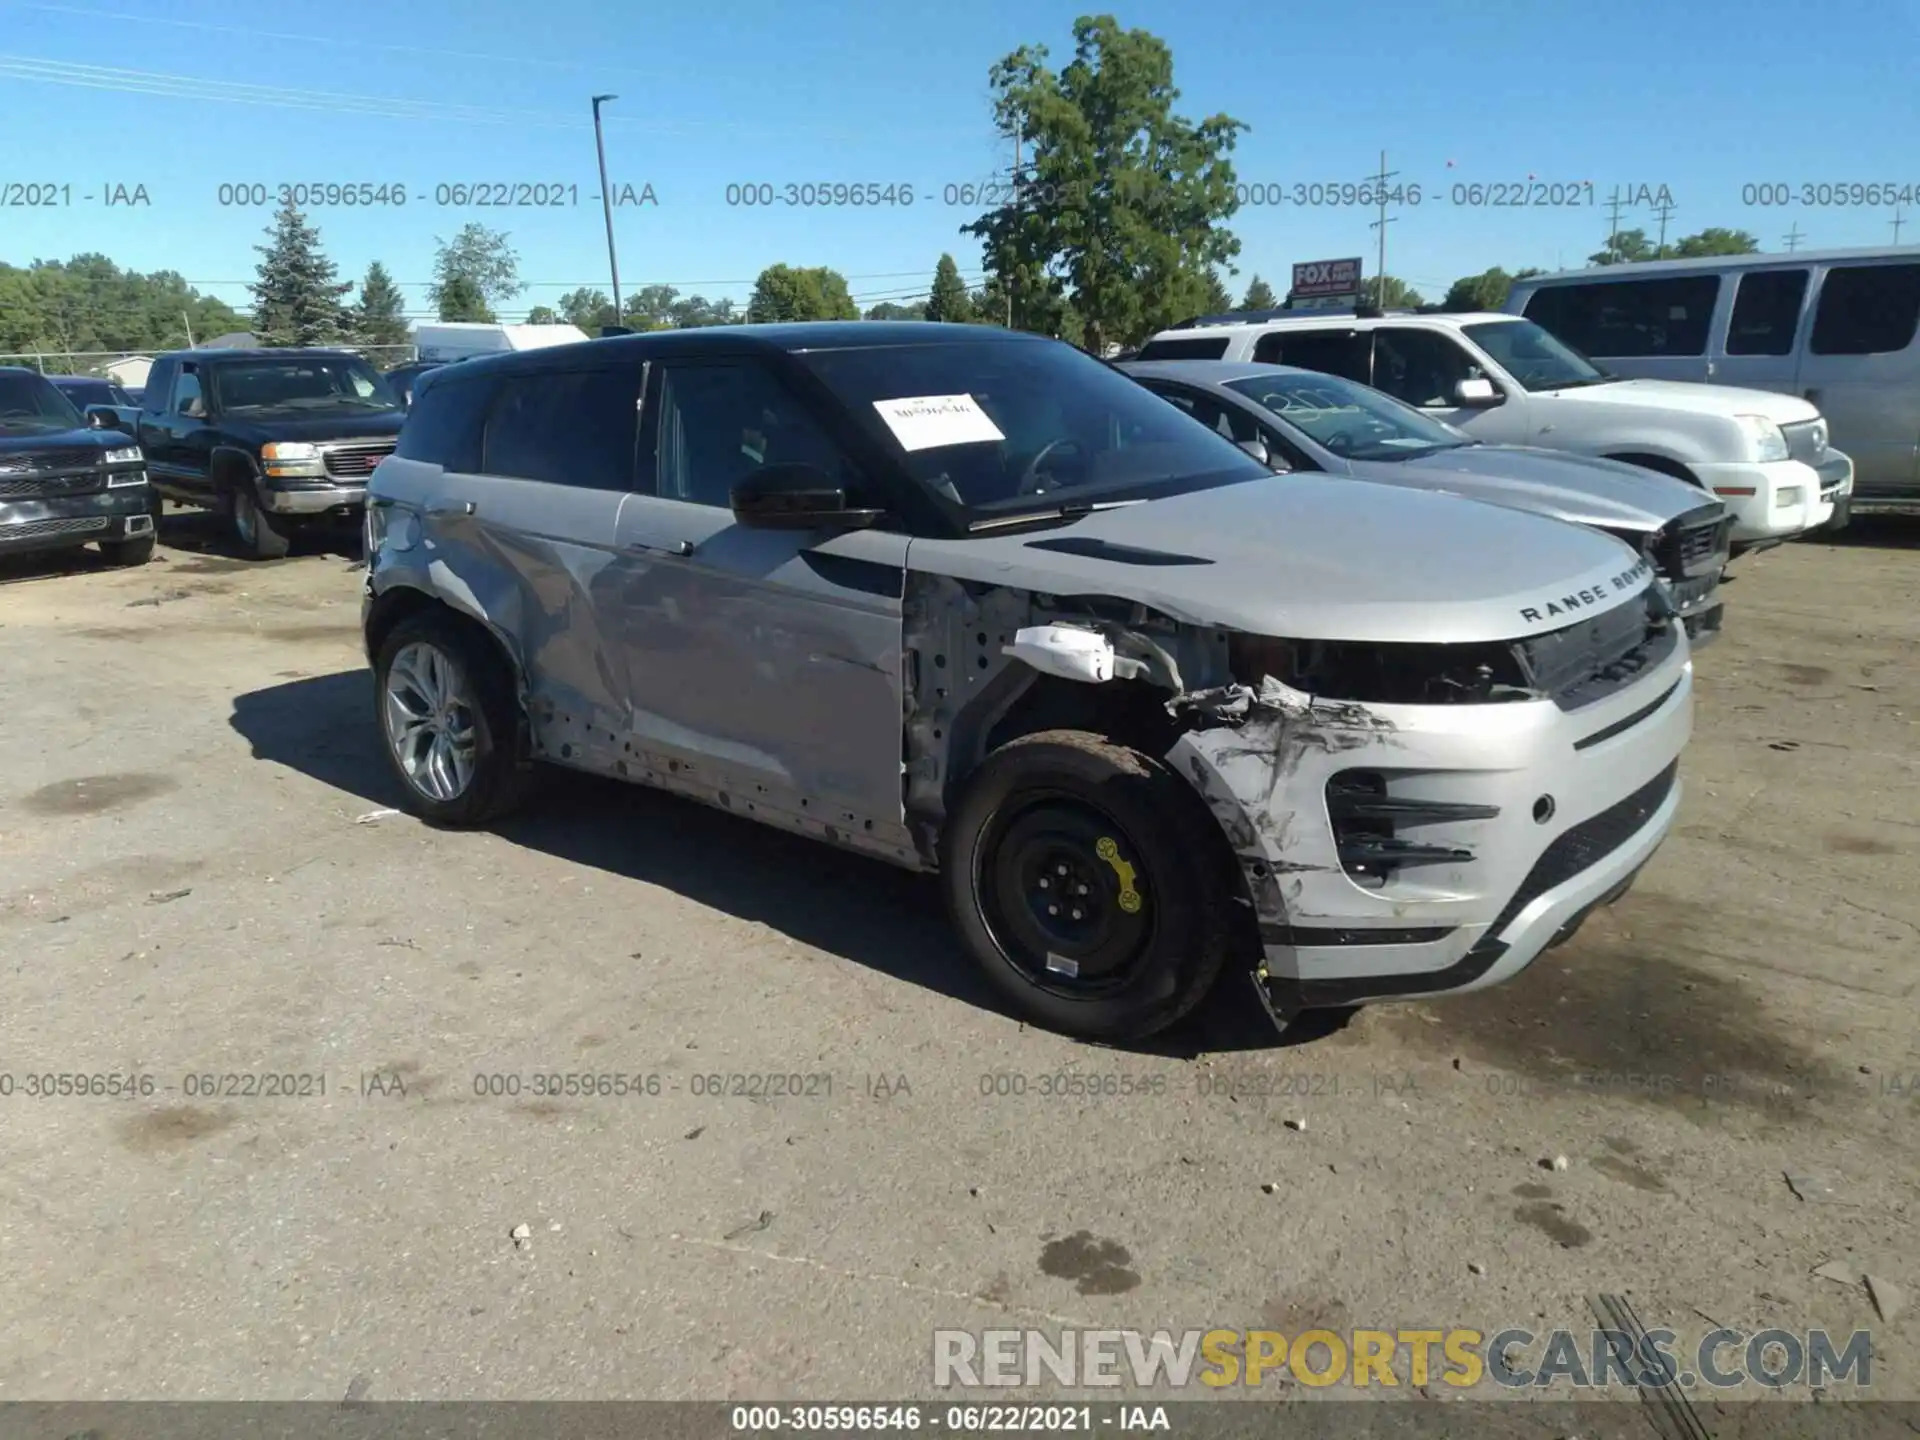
(1313,278)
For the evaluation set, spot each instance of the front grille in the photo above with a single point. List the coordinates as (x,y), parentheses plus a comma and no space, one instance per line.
(1806,440)
(1693,545)
(40,529)
(1591,659)
(41,461)
(52,487)
(356,461)
(1586,845)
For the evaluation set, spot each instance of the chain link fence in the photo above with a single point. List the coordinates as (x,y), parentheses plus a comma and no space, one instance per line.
(126,367)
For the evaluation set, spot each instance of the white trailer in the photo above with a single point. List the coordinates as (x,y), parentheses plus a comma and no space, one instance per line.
(459,340)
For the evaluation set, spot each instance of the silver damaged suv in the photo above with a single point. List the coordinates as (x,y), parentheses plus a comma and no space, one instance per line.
(977,604)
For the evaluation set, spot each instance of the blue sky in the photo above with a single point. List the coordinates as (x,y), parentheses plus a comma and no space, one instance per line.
(1702,97)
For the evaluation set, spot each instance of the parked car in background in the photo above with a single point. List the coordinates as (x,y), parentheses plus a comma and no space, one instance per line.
(62,484)
(273,439)
(1303,422)
(400,379)
(88,390)
(1508,381)
(1840,328)
(976,603)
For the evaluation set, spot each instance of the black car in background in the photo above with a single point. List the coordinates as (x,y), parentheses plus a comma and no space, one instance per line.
(88,393)
(401,378)
(63,484)
(272,439)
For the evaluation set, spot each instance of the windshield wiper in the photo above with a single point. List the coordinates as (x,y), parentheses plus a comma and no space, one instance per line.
(1072,511)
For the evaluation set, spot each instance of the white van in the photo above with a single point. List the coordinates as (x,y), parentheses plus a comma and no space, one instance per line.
(1508,381)
(447,341)
(1840,328)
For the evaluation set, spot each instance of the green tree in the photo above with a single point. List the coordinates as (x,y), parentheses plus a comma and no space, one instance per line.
(649,308)
(1259,296)
(1389,292)
(786,292)
(478,263)
(542,315)
(697,310)
(379,318)
(296,297)
(1715,241)
(1624,247)
(1142,193)
(887,310)
(587,309)
(949,300)
(55,309)
(1486,291)
(459,298)
(1217,300)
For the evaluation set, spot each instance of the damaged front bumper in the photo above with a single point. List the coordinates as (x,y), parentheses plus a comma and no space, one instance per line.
(1415,850)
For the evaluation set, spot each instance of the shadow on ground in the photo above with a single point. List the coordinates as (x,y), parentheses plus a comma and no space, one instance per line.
(862,910)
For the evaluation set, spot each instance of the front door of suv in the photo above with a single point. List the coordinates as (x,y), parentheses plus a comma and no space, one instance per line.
(762,664)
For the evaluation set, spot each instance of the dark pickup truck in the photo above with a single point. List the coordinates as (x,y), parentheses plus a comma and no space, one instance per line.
(273,439)
(63,485)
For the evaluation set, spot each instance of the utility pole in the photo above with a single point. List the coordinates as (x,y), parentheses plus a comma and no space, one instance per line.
(1665,213)
(1614,207)
(606,201)
(186,320)
(1898,220)
(1793,238)
(1017,137)
(1380,280)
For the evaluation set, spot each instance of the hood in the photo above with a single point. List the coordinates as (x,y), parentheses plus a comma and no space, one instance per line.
(343,424)
(1312,558)
(27,442)
(1584,489)
(1723,400)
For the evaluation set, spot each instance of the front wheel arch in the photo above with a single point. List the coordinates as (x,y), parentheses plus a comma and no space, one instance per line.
(1660,463)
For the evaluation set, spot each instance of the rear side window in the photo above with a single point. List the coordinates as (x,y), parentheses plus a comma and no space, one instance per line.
(569,427)
(1867,310)
(1346,353)
(1766,312)
(1625,318)
(1184,349)
(443,427)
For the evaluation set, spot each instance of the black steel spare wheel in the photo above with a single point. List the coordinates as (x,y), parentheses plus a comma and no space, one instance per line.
(1062,890)
(1090,883)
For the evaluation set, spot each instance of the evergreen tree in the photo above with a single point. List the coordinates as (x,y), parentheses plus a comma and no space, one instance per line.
(460,298)
(296,299)
(1260,296)
(949,300)
(379,318)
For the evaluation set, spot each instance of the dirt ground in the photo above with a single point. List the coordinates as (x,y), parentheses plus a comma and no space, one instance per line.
(195,882)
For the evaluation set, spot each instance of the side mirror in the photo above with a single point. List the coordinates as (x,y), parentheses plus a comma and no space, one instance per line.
(104,417)
(1257,449)
(797,497)
(1477,394)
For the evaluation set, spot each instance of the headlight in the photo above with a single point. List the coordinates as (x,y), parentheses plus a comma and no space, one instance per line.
(1769,444)
(126,455)
(289,450)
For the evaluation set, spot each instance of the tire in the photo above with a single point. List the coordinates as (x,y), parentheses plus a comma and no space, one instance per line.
(482,703)
(259,534)
(1056,799)
(136,550)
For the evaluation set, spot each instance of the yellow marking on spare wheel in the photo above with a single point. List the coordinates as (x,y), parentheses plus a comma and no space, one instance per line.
(1129,897)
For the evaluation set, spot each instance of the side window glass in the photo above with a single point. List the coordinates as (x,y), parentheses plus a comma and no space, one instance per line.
(443,428)
(720,423)
(1421,367)
(1332,352)
(186,395)
(1627,318)
(1867,310)
(570,427)
(159,389)
(1766,312)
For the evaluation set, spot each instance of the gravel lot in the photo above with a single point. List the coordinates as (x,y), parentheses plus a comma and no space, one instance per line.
(193,887)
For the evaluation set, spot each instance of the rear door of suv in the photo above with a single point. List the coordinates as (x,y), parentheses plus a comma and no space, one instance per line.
(1861,366)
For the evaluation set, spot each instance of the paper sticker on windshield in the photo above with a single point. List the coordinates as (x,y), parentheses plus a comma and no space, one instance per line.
(925,422)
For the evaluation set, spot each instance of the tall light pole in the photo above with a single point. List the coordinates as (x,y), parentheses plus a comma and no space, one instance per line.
(606,201)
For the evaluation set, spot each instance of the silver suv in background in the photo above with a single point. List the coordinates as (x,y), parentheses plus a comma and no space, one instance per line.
(976,603)
(1303,422)
(1839,328)
(1508,381)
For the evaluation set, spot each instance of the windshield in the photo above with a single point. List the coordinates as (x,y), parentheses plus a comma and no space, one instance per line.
(1534,356)
(1001,428)
(301,384)
(1351,420)
(31,404)
(90,392)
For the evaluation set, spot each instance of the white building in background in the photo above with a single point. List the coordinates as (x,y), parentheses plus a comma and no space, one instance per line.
(130,373)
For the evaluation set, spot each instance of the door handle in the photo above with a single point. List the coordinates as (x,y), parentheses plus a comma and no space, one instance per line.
(452,507)
(682,548)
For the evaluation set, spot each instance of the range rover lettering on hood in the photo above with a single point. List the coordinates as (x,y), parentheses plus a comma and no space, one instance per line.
(1581,600)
